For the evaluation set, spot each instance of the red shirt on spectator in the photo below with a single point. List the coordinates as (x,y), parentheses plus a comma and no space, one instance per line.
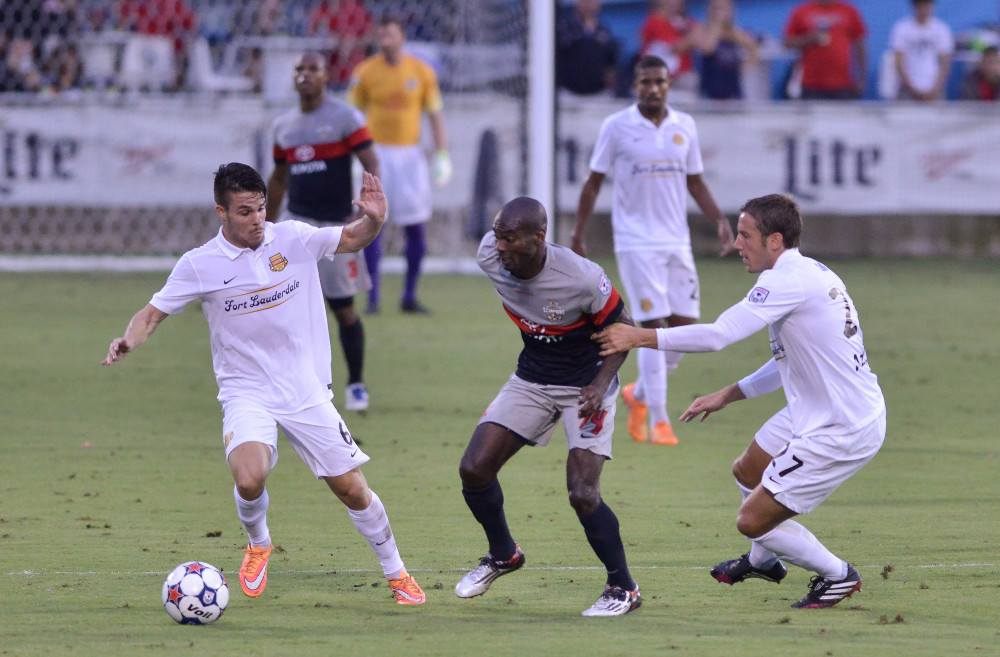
(659,32)
(351,24)
(170,18)
(827,66)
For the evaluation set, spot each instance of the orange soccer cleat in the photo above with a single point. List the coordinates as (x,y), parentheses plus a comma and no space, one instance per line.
(253,572)
(637,425)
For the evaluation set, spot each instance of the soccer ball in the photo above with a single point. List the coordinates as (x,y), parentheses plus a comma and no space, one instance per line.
(195,593)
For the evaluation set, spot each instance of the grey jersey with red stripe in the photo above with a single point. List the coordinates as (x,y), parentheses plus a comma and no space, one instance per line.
(557,311)
(317,148)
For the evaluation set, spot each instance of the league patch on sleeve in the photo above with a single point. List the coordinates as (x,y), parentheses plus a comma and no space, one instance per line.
(604,286)
(758,295)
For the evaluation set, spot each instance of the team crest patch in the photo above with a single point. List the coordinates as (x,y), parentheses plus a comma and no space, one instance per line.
(411,84)
(604,286)
(646,304)
(228,438)
(757,295)
(552,311)
(678,139)
(278,262)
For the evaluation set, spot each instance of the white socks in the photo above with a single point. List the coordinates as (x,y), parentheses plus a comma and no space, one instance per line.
(253,515)
(373,524)
(652,385)
(796,544)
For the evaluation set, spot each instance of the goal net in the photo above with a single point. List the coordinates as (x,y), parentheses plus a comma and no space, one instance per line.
(113,116)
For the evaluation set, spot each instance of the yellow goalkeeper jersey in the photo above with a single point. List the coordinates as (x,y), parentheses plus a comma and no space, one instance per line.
(393,97)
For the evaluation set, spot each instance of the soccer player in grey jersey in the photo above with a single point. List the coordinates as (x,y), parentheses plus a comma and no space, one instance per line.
(558,300)
(313,146)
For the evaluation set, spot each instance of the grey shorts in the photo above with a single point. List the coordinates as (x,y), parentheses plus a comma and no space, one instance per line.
(342,276)
(532,410)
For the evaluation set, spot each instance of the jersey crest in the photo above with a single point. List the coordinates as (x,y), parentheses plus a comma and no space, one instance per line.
(604,286)
(552,311)
(758,295)
(278,262)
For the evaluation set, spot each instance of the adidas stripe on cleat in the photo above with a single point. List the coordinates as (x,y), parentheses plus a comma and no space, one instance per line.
(825,593)
(477,581)
(615,601)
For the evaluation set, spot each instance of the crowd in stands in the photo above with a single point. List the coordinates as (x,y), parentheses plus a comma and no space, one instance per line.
(44,47)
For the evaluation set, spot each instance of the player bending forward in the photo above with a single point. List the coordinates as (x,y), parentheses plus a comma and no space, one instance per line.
(259,287)
(835,419)
(558,300)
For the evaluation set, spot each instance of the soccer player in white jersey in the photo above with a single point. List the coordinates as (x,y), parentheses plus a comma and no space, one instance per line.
(259,288)
(558,300)
(652,152)
(834,422)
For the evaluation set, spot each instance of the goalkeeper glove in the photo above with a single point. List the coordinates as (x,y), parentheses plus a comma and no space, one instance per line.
(441,170)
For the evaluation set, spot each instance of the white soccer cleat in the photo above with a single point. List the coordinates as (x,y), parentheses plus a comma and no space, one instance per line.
(356,397)
(477,581)
(615,601)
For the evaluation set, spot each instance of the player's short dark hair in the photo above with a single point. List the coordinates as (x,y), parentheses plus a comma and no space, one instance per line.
(776,213)
(526,213)
(235,178)
(650,61)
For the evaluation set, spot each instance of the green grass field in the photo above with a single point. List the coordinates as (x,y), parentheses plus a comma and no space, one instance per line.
(88,533)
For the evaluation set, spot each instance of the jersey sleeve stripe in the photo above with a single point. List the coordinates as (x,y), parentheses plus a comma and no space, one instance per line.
(609,309)
(359,138)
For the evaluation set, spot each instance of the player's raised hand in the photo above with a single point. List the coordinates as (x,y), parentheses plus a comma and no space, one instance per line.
(371,200)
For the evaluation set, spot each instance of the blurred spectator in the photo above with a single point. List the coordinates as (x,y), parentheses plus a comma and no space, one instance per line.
(18,69)
(983,81)
(667,33)
(170,18)
(350,26)
(830,34)
(725,49)
(922,46)
(64,67)
(586,52)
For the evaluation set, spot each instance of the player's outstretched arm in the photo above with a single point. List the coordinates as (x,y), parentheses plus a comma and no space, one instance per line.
(139,329)
(621,337)
(705,406)
(372,207)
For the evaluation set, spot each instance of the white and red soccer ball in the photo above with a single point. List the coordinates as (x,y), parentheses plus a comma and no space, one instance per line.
(195,593)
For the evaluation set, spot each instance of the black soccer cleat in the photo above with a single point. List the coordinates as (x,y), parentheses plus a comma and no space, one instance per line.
(825,593)
(736,570)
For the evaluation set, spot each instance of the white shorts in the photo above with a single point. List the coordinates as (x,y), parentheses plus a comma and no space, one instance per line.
(406,183)
(810,468)
(532,410)
(776,432)
(318,434)
(660,283)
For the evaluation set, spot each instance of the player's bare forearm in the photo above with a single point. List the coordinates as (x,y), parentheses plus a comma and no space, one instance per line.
(706,202)
(594,392)
(372,206)
(708,404)
(277,187)
(585,208)
(140,327)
